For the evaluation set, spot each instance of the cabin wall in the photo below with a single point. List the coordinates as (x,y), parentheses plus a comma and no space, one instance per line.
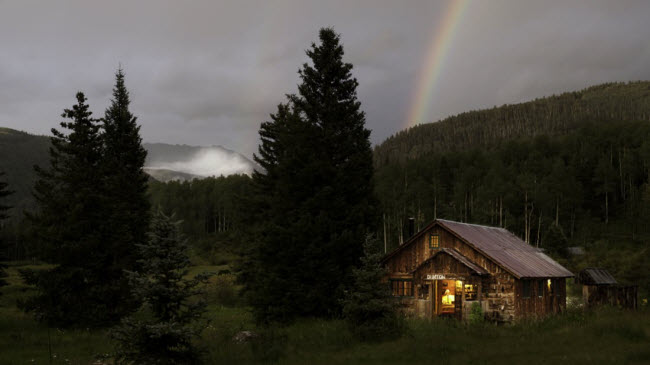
(499,298)
(539,304)
(614,295)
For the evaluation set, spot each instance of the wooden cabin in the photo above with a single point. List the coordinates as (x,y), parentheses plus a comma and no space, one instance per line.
(600,288)
(448,266)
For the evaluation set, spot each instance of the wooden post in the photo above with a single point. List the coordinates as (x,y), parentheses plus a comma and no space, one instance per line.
(432,299)
(435,299)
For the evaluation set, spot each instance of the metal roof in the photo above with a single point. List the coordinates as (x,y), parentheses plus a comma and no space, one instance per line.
(458,256)
(507,250)
(596,276)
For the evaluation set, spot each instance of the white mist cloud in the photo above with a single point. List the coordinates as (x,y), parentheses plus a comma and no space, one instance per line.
(209,161)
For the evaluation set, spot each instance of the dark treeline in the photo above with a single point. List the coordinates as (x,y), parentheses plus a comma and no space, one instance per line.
(213,206)
(544,188)
(554,115)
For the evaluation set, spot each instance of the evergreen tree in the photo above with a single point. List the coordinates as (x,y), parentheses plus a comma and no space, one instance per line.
(4,192)
(370,309)
(163,334)
(70,227)
(315,198)
(125,188)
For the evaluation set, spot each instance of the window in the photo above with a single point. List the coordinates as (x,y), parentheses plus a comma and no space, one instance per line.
(525,289)
(470,292)
(434,241)
(402,288)
(540,288)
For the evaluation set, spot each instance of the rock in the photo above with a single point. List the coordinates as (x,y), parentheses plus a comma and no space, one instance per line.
(244,336)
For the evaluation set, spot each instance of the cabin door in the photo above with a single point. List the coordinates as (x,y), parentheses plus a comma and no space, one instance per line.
(449,298)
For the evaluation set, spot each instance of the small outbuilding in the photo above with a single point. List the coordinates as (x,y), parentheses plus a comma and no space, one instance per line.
(447,267)
(600,288)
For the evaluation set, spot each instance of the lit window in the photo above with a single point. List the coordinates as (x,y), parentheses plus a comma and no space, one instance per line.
(434,241)
(402,288)
(470,292)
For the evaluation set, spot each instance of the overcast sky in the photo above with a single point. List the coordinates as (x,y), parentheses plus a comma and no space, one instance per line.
(209,72)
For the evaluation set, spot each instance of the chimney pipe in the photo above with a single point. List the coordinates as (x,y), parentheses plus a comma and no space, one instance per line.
(411,227)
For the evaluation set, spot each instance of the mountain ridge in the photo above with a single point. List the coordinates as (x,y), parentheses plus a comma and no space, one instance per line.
(20,151)
(551,115)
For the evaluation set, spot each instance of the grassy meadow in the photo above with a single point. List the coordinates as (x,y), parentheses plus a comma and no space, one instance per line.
(606,336)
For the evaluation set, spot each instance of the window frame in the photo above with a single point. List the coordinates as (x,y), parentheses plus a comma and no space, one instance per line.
(403,289)
(431,246)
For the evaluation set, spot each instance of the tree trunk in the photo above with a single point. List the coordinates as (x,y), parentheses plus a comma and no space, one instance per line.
(501,211)
(435,206)
(606,208)
(385,240)
(526,216)
(539,228)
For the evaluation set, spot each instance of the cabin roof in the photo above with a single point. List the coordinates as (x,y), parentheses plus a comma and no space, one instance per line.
(596,276)
(501,246)
(458,256)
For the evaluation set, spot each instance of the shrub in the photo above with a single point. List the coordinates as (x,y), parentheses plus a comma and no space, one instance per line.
(222,290)
(476,314)
(369,308)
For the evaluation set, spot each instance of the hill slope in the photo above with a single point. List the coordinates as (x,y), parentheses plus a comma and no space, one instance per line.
(19,152)
(554,115)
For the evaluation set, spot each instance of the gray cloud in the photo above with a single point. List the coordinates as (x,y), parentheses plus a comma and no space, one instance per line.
(208,73)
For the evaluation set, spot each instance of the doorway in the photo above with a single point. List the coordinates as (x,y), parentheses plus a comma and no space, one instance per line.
(448,298)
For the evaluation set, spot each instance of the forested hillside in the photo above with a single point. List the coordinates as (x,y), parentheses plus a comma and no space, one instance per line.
(587,186)
(553,115)
(19,152)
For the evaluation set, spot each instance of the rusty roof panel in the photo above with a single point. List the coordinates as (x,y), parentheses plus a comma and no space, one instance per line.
(596,276)
(507,250)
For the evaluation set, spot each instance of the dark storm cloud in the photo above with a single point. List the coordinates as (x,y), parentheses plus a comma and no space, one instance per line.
(205,72)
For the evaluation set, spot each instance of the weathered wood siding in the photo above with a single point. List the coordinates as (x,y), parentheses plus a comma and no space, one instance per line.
(411,257)
(540,304)
(614,295)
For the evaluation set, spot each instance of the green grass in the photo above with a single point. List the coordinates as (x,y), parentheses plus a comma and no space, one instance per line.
(606,336)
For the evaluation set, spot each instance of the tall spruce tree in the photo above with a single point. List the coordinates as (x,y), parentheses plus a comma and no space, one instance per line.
(125,188)
(315,197)
(71,228)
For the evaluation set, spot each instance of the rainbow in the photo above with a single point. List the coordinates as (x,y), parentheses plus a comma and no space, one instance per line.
(428,76)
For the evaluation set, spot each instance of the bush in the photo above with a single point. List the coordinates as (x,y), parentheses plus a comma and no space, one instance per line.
(369,308)
(476,314)
(222,290)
